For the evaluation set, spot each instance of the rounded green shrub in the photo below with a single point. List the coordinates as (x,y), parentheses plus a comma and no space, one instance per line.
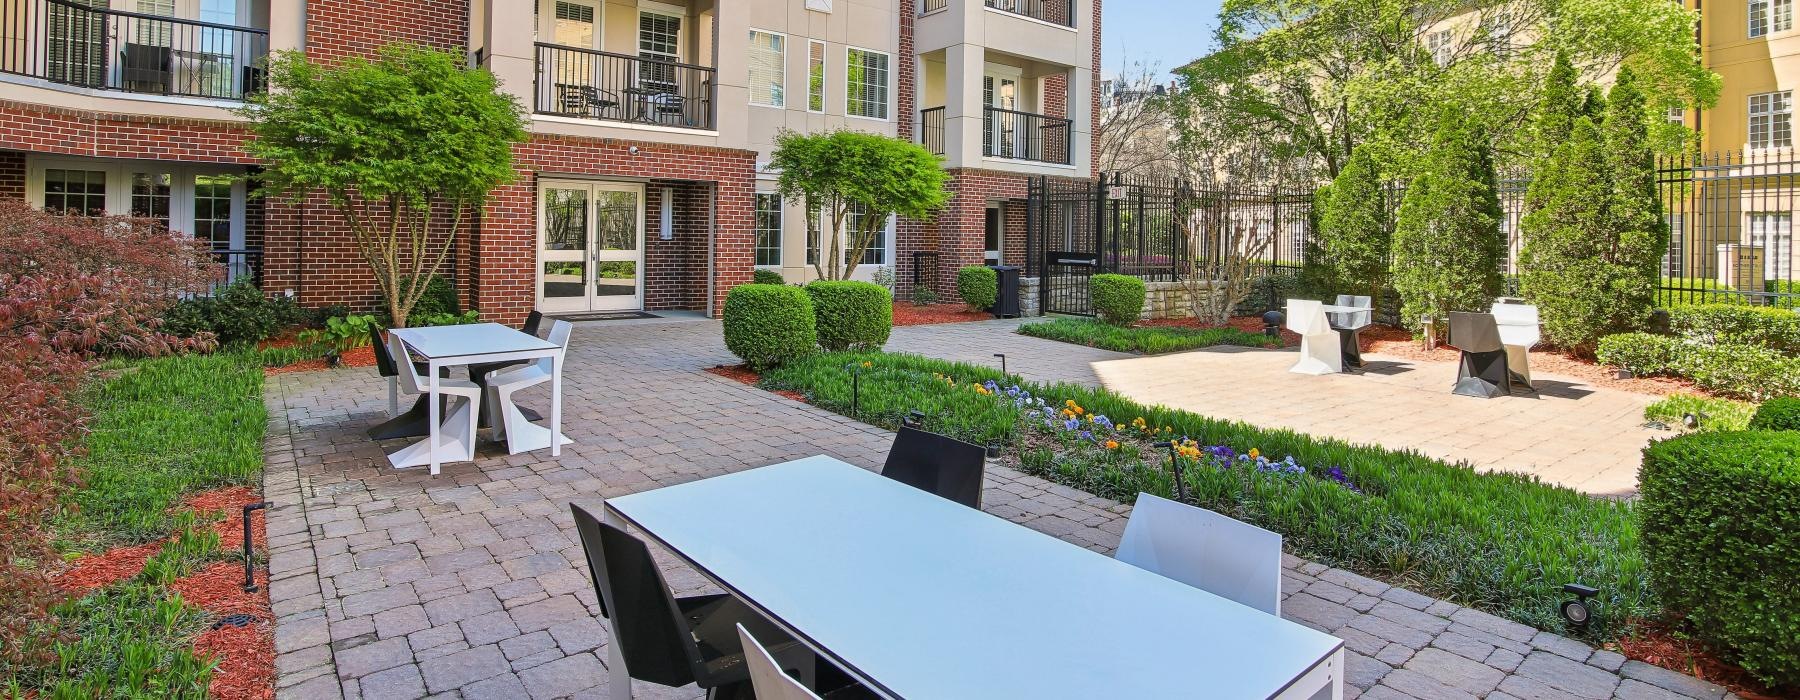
(1721,533)
(1118,299)
(1722,324)
(1746,372)
(978,286)
(1777,414)
(762,276)
(235,313)
(851,315)
(1642,354)
(768,324)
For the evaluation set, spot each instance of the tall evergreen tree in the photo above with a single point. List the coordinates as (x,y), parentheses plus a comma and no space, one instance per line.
(1354,233)
(1447,247)
(1558,105)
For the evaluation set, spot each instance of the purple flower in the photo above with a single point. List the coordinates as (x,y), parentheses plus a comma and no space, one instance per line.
(1085,435)
(1103,422)
(1072,424)
(1337,474)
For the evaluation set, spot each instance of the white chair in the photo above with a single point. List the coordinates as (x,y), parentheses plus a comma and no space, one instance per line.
(1222,556)
(1519,333)
(456,434)
(504,416)
(766,677)
(1320,352)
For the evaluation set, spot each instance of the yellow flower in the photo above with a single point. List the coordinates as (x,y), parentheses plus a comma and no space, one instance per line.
(867,365)
(1070,403)
(1254,453)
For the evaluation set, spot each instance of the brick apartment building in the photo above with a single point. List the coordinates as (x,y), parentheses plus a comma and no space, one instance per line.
(641,185)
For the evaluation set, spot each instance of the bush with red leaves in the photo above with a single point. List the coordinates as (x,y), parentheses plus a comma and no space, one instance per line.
(71,289)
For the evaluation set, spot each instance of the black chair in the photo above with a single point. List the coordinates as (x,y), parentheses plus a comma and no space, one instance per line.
(479,373)
(675,641)
(146,68)
(416,421)
(938,464)
(1349,327)
(1482,371)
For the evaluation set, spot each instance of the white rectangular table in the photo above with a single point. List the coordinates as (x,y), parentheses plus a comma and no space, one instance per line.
(919,597)
(479,343)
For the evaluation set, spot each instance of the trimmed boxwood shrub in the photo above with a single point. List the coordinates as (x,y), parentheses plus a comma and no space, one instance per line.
(1740,371)
(1118,299)
(767,324)
(1791,287)
(978,286)
(1777,414)
(851,315)
(1721,324)
(1721,531)
(762,276)
(1642,354)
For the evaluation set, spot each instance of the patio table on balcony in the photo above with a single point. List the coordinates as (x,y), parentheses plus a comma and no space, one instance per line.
(477,343)
(917,596)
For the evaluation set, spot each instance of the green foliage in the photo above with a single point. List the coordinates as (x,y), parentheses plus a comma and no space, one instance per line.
(1721,519)
(763,276)
(1777,414)
(978,286)
(1118,299)
(1354,231)
(1788,287)
(1740,371)
(924,295)
(1700,291)
(130,640)
(1501,542)
(446,319)
(1152,340)
(851,315)
(1559,104)
(880,176)
(236,313)
(163,428)
(340,334)
(1447,244)
(1720,324)
(193,547)
(767,325)
(1642,354)
(1714,414)
(438,299)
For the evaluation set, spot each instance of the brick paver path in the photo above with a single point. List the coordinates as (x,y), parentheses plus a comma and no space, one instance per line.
(471,584)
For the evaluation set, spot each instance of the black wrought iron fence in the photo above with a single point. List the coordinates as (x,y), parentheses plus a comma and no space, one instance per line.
(78,44)
(589,84)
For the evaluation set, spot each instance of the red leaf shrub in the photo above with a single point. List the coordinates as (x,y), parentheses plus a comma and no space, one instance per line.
(71,288)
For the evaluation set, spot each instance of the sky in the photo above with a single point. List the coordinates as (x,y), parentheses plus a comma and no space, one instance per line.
(1166,33)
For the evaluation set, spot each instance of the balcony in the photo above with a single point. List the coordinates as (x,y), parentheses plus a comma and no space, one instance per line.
(1006,134)
(1060,12)
(590,84)
(101,49)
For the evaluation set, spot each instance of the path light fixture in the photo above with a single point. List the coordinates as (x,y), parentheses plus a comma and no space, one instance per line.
(1002,357)
(249,560)
(855,387)
(1175,465)
(914,419)
(1577,611)
(1693,420)
(1272,321)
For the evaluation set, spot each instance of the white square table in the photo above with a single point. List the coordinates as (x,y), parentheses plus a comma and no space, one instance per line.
(479,343)
(919,597)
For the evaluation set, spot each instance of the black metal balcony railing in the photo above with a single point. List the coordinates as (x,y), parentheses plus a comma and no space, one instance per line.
(240,264)
(1053,11)
(589,84)
(931,129)
(1025,136)
(69,42)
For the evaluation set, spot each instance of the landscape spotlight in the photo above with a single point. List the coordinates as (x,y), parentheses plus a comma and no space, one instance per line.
(1577,611)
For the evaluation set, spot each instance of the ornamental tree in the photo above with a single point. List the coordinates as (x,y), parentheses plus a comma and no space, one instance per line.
(1447,245)
(835,174)
(405,146)
(1354,234)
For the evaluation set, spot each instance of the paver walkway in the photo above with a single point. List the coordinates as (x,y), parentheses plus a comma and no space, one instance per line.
(471,584)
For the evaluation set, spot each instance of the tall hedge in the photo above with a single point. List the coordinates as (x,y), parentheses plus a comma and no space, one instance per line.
(851,315)
(1447,246)
(1721,532)
(1354,232)
(768,324)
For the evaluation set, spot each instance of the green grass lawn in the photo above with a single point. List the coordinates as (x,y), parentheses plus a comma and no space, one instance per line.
(1152,340)
(1498,542)
(1716,414)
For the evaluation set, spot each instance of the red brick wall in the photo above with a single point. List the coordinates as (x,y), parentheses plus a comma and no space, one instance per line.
(12,175)
(1056,96)
(40,129)
(675,269)
(1094,98)
(339,28)
(1013,229)
(909,70)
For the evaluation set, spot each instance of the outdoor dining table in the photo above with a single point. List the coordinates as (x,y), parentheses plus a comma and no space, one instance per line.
(477,343)
(916,596)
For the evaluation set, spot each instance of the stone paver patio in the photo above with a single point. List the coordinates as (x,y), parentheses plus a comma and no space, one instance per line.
(471,584)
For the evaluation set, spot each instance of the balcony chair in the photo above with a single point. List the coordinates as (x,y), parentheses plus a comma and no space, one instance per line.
(583,100)
(457,432)
(479,373)
(1222,556)
(1482,371)
(1320,351)
(146,68)
(1519,333)
(1349,327)
(674,641)
(412,423)
(937,464)
(504,416)
(771,683)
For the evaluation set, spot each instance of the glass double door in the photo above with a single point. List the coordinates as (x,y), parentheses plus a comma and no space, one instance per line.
(590,246)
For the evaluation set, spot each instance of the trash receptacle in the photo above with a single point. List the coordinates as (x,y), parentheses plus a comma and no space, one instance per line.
(1007,304)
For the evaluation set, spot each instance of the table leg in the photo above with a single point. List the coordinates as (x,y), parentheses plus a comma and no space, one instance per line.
(556,390)
(618,679)
(433,412)
(1324,681)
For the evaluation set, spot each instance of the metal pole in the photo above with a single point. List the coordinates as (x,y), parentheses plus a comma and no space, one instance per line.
(249,554)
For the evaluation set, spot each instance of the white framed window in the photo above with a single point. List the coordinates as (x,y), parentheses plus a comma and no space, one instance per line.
(1497,27)
(659,45)
(1772,119)
(1676,115)
(866,83)
(768,68)
(815,76)
(204,200)
(1438,45)
(1773,231)
(1770,16)
(877,253)
(768,229)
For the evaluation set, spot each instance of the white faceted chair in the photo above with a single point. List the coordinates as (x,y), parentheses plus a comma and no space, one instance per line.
(504,415)
(1228,558)
(1320,351)
(456,434)
(766,677)
(1519,333)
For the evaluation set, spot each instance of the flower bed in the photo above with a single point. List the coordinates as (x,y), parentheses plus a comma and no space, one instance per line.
(1499,542)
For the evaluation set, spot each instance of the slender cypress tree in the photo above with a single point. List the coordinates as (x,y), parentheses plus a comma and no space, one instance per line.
(1354,232)
(1558,106)
(1447,246)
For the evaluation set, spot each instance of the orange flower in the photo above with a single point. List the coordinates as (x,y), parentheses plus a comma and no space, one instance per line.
(1112,444)
(1254,453)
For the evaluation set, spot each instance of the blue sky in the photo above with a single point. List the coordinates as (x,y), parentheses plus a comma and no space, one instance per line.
(1168,33)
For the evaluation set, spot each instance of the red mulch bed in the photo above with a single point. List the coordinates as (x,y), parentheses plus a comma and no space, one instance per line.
(1656,644)
(104,569)
(909,315)
(742,375)
(1398,342)
(357,357)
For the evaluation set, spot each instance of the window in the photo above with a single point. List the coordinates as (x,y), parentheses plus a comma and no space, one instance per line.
(574,25)
(75,192)
(1770,16)
(768,229)
(1438,45)
(659,45)
(212,210)
(1497,27)
(153,32)
(1771,119)
(866,84)
(813,225)
(768,69)
(1676,115)
(1672,256)
(151,194)
(815,76)
(878,248)
(1774,233)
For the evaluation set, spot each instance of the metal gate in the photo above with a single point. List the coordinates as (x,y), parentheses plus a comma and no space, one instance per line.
(1065,283)
(1079,228)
